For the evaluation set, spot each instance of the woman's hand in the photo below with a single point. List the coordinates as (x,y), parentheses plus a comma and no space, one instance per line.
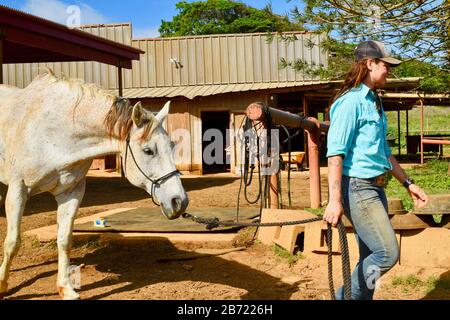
(333,212)
(418,195)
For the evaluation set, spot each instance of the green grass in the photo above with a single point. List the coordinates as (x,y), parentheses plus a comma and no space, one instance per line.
(286,255)
(432,177)
(318,212)
(412,282)
(436,120)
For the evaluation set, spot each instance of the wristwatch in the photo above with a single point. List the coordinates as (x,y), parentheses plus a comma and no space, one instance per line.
(408,182)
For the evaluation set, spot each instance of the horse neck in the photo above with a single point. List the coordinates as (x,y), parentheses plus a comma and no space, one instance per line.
(92,113)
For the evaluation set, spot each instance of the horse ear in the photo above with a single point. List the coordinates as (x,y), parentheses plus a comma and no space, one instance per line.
(164,112)
(139,115)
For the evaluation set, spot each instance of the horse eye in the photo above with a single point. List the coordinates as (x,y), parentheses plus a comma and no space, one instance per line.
(148,152)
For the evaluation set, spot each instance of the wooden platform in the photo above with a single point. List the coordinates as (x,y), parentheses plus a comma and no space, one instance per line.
(151,220)
(192,236)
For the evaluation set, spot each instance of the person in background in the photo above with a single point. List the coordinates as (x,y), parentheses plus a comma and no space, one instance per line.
(359,159)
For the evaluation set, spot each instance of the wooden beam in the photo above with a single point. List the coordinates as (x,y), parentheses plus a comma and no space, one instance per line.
(421,131)
(399,137)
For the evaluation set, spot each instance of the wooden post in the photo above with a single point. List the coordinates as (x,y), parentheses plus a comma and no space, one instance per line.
(314,128)
(407,122)
(421,131)
(399,136)
(273,194)
(305,134)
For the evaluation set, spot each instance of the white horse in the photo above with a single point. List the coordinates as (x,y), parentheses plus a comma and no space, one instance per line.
(50,132)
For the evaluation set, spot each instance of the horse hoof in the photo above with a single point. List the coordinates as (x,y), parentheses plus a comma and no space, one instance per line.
(3,289)
(68,294)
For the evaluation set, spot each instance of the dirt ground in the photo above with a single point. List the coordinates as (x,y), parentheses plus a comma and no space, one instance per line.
(134,270)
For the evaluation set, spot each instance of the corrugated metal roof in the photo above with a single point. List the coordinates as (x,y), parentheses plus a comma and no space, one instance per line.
(103,75)
(191,92)
(27,38)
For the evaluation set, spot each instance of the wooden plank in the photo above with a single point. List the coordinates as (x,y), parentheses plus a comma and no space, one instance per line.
(409,222)
(437,204)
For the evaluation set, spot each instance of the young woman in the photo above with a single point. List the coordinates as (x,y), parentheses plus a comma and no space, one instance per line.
(358,160)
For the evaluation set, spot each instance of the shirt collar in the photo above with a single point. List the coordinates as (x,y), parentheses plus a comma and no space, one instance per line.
(366,91)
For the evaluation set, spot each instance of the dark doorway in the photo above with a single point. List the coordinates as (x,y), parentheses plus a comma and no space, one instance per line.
(214,142)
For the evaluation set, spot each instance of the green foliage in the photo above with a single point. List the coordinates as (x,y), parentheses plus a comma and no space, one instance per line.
(223,17)
(417,29)
(412,282)
(318,212)
(435,79)
(285,255)
(341,56)
(431,177)
(409,280)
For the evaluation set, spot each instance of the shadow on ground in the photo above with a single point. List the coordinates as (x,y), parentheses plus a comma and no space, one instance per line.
(136,266)
(110,190)
(441,288)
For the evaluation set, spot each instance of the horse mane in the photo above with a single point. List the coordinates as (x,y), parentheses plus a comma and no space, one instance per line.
(118,120)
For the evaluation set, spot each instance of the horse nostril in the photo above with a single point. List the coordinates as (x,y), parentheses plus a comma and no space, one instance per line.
(176,204)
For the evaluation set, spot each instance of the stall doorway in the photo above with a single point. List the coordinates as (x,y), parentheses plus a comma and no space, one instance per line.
(215,158)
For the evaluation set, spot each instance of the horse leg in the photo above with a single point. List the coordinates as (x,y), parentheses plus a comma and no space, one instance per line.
(3,191)
(16,199)
(68,204)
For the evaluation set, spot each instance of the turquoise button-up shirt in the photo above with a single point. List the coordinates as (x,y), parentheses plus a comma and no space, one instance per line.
(359,134)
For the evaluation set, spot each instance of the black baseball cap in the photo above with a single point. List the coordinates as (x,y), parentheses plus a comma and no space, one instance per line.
(374,50)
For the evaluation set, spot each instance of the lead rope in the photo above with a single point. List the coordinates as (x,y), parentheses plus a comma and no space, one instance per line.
(212,223)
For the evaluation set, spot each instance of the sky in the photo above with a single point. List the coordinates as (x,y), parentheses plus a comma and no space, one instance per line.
(145,15)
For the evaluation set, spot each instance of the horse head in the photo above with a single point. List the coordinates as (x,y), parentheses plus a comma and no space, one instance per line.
(149,163)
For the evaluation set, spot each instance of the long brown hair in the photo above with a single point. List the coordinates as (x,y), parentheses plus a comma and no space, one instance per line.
(358,72)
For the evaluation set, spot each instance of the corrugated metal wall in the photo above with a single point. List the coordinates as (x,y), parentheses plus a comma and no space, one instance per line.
(204,60)
(222,59)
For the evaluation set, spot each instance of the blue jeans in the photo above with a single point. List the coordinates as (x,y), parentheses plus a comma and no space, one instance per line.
(365,205)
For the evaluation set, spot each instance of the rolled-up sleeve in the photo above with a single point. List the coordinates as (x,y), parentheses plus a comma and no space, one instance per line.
(343,121)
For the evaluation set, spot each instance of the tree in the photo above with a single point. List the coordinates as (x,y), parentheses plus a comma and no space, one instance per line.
(414,28)
(416,31)
(223,16)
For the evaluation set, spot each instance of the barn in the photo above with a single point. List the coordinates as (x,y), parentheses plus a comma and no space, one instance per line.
(210,80)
